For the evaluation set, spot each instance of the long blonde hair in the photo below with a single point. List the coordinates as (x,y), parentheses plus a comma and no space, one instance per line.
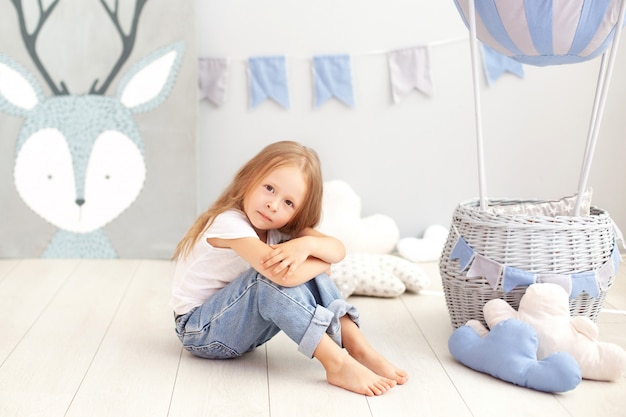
(273,156)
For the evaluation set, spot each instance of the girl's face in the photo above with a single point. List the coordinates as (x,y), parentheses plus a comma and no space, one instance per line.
(272,203)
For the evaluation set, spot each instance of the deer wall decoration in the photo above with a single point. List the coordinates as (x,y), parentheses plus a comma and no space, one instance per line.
(79,158)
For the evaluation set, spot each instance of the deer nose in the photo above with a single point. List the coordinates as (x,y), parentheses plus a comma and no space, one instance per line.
(80,201)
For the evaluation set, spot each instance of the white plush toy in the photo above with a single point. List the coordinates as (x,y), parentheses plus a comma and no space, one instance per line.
(428,248)
(546,308)
(341,218)
(368,268)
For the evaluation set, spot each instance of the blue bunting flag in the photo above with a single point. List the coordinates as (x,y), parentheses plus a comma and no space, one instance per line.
(496,64)
(333,77)
(268,79)
(585,282)
(513,277)
(462,252)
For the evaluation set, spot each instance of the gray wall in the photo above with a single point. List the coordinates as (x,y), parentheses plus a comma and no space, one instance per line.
(416,160)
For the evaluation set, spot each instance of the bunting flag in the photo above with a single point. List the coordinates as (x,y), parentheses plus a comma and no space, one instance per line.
(590,282)
(212,73)
(486,268)
(268,79)
(462,252)
(609,269)
(514,277)
(333,77)
(496,64)
(409,68)
(562,280)
(587,282)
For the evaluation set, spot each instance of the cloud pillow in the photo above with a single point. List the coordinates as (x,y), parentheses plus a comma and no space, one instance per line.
(509,352)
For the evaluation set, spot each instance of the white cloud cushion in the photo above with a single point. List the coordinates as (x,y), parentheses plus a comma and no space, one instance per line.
(342,219)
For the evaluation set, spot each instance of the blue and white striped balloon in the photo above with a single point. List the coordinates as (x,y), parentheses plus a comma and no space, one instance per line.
(545,32)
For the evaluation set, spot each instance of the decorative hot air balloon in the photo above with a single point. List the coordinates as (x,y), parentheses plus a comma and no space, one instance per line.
(487,250)
(547,32)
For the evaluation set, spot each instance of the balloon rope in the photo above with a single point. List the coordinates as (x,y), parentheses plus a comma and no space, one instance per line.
(479,128)
(604,79)
(594,116)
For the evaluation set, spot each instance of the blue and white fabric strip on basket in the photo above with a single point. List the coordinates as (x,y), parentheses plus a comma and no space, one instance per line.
(590,282)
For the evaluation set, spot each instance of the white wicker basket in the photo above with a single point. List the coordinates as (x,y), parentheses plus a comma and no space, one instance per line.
(537,244)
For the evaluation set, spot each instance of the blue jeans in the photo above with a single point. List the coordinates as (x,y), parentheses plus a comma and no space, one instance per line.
(252,309)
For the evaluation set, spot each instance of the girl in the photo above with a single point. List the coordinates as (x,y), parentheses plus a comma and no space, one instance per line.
(252,265)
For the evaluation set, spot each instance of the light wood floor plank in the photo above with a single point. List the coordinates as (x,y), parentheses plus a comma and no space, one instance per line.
(298,385)
(392,330)
(219,387)
(95,338)
(25,291)
(6,265)
(42,374)
(134,370)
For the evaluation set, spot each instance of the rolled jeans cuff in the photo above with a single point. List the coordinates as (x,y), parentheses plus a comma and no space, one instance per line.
(326,320)
(313,334)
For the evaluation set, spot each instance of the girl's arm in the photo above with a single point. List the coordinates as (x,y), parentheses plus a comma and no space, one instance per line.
(310,243)
(253,251)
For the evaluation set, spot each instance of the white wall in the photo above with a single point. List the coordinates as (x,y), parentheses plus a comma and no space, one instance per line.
(416,160)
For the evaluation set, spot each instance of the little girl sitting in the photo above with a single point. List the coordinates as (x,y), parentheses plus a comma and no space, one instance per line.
(252,265)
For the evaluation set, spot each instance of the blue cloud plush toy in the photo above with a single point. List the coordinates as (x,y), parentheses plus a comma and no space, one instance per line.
(509,352)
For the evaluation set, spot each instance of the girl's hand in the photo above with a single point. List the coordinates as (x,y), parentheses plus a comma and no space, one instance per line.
(287,256)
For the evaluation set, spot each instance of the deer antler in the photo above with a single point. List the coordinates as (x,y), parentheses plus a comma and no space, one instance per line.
(128,41)
(30,39)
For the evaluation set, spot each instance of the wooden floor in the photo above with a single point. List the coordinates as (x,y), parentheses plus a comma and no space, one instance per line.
(85,338)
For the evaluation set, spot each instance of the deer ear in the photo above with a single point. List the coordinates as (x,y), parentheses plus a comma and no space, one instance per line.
(19,91)
(147,84)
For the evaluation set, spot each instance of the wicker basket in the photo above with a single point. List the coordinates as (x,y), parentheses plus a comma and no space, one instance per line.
(538,244)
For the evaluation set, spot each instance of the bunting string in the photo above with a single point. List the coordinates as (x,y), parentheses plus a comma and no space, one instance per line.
(409,69)
(590,282)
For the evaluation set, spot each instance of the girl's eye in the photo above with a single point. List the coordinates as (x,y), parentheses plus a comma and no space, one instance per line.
(269,188)
(289,203)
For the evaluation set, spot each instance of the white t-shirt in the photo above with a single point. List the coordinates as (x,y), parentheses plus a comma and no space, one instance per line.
(206,269)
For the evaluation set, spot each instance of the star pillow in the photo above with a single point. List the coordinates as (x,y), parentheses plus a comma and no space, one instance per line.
(509,352)
(377,275)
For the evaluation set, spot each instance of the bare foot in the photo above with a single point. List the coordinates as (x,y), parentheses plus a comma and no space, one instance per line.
(353,376)
(381,366)
(346,372)
(360,349)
